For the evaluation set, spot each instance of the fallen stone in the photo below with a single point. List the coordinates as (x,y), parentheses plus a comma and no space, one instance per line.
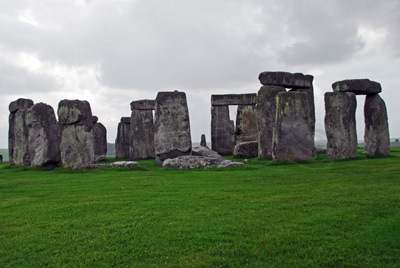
(285,79)
(143,105)
(376,138)
(142,135)
(191,162)
(233,99)
(119,164)
(357,86)
(246,150)
(246,124)
(122,141)
(204,151)
(222,130)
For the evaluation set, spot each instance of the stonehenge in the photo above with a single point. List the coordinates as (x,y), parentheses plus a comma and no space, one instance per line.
(100,140)
(122,140)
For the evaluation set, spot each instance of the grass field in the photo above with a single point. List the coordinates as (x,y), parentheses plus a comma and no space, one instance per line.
(314,214)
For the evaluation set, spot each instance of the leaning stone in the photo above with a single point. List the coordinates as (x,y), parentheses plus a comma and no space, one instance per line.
(340,125)
(222,130)
(357,86)
(246,150)
(143,105)
(265,111)
(142,135)
(172,126)
(376,138)
(285,79)
(100,141)
(292,135)
(122,141)
(246,124)
(191,162)
(203,151)
(44,136)
(234,99)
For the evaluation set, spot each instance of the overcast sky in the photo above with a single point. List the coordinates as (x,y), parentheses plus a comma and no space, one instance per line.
(113,52)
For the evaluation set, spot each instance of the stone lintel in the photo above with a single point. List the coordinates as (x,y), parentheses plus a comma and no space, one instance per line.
(285,79)
(126,120)
(234,99)
(143,105)
(357,86)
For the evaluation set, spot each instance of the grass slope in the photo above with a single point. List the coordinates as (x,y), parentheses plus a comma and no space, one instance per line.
(314,214)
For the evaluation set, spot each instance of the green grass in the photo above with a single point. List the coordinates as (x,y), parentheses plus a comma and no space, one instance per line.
(314,214)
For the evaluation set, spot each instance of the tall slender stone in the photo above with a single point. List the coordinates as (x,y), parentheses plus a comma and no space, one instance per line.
(122,142)
(18,133)
(376,138)
(100,140)
(142,134)
(246,124)
(172,126)
(222,130)
(44,136)
(265,111)
(340,125)
(203,141)
(292,135)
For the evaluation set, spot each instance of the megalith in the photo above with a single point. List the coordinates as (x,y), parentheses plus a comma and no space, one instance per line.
(247,149)
(340,125)
(246,124)
(222,130)
(376,138)
(122,141)
(142,134)
(18,149)
(100,140)
(292,134)
(77,141)
(203,141)
(172,126)
(357,86)
(44,136)
(265,111)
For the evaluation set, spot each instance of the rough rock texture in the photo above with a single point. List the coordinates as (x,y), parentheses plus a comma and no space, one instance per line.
(172,126)
(204,151)
(292,135)
(18,150)
(203,141)
(143,105)
(376,137)
(246,124)
(285,79)
(122,142)
(142,135)
(340,125)
(77,141)
(246,150)
(191,161)
(222,130)
(357,86)
(234,99)
(118,164)
(100,141)
(265,112)
(44,136)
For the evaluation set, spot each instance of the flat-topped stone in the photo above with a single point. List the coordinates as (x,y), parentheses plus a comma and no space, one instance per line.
(143,105)
(191,162)
(234,99)
(20,104)
(285,79)
(125,120)
(357,86)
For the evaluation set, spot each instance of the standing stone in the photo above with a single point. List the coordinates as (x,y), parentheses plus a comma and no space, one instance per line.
(246,124)
(18,133)
(340,125)
(100,140)
(222,130)
(292,135)
(123,138)
(44,136)
(142,134)
(203,141)
(77,141)
(376,138)
(172,126)
(265,111)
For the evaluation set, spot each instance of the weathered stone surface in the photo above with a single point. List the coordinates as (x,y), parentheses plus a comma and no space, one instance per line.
(191,161)
(376,137)
(292,135)
(204,151)
(246,124)
(44,136)
(203,141)
(172,126)
(340,125)
(122,142)
(246,150)
(357,86)
(234,99)
(265,112)
(143,105)
(142,135)
(18,132)
(118,164)
(77,141)
(95,119)
(285,79)
(222,130)
(100,141)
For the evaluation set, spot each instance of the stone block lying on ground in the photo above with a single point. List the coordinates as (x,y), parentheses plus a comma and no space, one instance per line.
(246,150)
(191,162)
